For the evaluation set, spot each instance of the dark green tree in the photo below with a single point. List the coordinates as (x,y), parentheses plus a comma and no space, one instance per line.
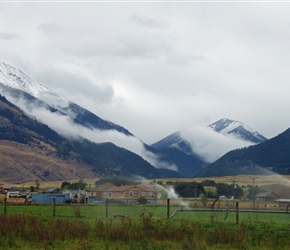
(229,190)
(253,191)
(65,184)
(188,189)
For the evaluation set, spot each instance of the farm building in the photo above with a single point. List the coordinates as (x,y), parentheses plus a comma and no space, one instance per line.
(49,198)
(283,202)
(266,196)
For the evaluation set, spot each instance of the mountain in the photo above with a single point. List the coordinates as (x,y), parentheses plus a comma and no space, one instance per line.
(267,157)
(79,128)
(238,129)
(173,141)
(30,150)
(17,84)
(173,146)
(226,127)
(31,96)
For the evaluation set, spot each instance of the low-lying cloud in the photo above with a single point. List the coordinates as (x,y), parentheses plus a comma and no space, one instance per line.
(209,144)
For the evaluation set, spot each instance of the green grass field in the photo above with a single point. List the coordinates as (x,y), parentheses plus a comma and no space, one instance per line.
(92,212)
(145,227)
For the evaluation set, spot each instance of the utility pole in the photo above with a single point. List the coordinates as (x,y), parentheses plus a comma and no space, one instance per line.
(195,194)
(234,186)
(253,178)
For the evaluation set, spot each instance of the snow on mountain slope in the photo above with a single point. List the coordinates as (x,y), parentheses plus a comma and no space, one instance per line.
(239,129)
(15,78)
(213,141)
(68,118)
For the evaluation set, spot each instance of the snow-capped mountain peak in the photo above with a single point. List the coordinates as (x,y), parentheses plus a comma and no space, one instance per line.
(15,78)
(239,129)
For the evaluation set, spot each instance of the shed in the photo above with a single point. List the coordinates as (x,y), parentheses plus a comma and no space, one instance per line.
(49,198)
(266,196)
(283,202)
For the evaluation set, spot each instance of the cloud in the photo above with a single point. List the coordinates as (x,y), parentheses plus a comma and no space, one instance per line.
(209,144)
(148,21)
(76,85)
(50,28)
(8,35)
(174,63)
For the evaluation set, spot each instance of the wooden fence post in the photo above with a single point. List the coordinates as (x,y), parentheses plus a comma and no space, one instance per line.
(53,207)
(5,205)
(107,208)
(168,208)
(237,212)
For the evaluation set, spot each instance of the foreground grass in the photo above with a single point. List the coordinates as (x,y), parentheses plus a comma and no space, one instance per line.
(89,213)
(26,230)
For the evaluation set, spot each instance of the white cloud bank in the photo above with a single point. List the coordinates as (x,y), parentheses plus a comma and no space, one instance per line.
(209,144)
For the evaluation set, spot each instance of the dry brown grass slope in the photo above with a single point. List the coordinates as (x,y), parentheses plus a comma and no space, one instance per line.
(22,163)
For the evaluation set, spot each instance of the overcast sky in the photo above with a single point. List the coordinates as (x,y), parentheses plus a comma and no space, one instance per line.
(155,68)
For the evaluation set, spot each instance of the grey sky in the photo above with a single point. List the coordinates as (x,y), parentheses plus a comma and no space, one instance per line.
(156,68)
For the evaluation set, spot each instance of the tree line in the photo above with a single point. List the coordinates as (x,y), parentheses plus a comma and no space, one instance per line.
(197,189)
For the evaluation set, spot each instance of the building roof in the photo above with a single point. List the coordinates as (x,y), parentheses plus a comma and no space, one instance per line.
(118,188)
(74,191)
(266,194)
(148,188)
(124,188)
(283,200)
(50,190)
(103,187)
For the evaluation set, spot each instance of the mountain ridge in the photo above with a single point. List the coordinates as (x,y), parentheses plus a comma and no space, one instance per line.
(18,84)
(84,118)
(228,128)
(66,158)
(237,128)
(271,156)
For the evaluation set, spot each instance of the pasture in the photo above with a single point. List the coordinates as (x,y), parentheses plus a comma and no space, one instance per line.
(90,213)
(138,227)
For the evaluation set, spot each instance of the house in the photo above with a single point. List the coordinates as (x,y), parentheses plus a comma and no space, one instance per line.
(266,196)
(98,191)
(130,194)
